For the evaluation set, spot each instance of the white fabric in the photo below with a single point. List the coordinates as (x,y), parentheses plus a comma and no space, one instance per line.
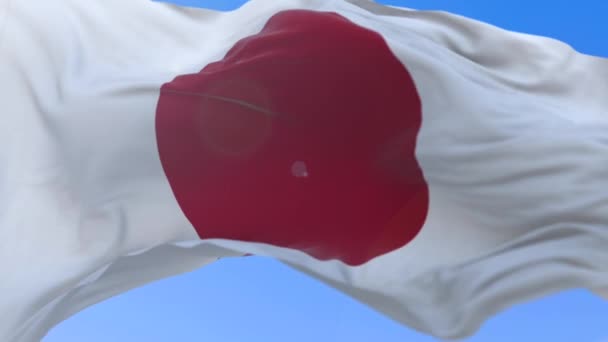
(513,145)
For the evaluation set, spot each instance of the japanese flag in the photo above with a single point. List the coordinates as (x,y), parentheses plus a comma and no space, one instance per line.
(434,167)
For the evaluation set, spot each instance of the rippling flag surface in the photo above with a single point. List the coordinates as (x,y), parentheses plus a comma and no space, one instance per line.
(436,168)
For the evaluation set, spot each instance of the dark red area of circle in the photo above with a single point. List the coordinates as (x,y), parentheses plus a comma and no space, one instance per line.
(303,137)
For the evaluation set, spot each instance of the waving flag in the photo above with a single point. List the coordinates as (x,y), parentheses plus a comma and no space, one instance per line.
(435,168)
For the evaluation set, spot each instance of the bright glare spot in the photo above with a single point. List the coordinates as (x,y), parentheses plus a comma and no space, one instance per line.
(299,169)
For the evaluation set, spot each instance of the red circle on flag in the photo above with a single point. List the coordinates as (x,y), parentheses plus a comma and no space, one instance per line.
(302,137)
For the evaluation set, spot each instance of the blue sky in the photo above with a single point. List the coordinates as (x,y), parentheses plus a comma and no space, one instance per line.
(257,299)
